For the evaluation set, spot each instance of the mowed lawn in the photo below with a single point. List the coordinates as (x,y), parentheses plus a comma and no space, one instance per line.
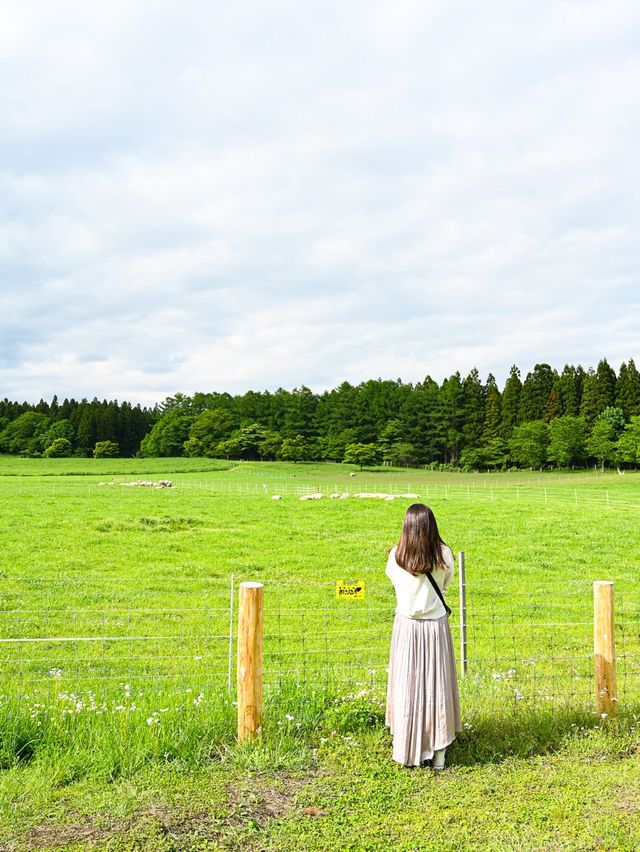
(141,579)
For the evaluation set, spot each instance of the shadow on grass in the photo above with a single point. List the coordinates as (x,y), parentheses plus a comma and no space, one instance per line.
(494,737)
(493,734)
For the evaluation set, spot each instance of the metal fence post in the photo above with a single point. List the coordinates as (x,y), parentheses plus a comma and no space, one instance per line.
(230,656)
(463,614)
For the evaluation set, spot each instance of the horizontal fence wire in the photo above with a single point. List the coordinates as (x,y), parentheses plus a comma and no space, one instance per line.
(522,648)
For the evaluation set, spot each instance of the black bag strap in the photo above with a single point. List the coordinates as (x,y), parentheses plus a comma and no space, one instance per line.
(438,591)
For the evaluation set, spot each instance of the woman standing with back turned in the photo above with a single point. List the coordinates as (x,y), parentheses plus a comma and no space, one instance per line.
(423,709)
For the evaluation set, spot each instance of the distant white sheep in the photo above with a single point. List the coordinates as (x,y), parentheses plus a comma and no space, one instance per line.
(374,495)
(311,497)
(145,483)
(276,497)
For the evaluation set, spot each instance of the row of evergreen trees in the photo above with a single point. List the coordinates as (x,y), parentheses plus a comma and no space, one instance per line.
(549,417)
(561,418)
(73,428)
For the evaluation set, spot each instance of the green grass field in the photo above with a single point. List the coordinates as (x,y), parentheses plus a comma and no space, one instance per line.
(118,646)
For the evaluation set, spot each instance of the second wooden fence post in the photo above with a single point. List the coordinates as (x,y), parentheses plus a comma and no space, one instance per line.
(604,648)
(249,678)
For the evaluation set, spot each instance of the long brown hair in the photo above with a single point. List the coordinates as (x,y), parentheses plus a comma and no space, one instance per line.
(420,547)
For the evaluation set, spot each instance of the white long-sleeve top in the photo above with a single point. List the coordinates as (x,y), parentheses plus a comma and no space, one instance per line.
(415,596)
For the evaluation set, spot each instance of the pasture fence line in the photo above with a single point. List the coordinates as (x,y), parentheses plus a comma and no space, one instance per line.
(561,491)
(515,646)
(250,641)
(588,495)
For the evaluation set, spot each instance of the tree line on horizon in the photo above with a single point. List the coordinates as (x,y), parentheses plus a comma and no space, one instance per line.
(72,428)
(549,418)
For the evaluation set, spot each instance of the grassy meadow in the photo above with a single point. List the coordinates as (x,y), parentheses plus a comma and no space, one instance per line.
(117,628)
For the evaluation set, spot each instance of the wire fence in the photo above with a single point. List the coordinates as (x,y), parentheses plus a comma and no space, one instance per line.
(563,491)
(76,633)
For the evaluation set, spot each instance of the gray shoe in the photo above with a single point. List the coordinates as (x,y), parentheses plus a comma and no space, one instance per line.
(438,759)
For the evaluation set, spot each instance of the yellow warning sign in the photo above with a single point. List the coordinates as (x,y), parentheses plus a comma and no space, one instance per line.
(349,590)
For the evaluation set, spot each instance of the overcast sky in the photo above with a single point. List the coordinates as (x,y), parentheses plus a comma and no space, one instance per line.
(233,196)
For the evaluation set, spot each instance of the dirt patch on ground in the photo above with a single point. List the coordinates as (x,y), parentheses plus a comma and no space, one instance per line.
(264,803)
(249,806)
(147,822)
(627,800)
(51,835)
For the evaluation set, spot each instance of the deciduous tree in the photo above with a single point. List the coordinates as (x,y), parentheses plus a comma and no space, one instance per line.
(528,443)
(567,441)
(364,455)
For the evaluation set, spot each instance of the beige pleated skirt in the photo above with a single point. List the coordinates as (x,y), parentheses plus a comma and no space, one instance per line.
(423,707)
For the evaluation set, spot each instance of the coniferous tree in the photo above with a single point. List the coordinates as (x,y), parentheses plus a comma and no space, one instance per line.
(536,389)
(86,428)
(449,420)
(628,389)
(419,417)
(341,407)
(66,409)
(390,435)
(592,404)
(511,402)
(569,387)
(473,409)
(606,382)
(554,407)
(493,411)
(300,415)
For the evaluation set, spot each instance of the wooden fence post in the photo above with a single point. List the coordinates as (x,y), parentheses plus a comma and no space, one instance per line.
(604,648)
(250,660)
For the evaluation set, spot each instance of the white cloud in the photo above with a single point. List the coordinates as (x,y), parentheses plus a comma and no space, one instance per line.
(254,196)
